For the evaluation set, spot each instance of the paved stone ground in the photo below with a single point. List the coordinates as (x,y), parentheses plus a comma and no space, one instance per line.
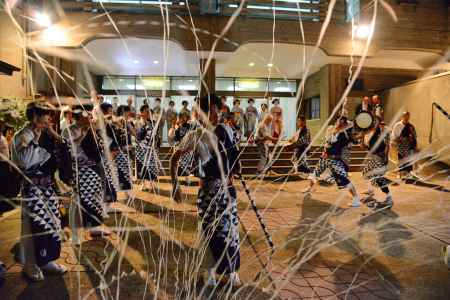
(323,250)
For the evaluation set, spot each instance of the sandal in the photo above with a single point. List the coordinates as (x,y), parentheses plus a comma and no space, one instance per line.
(54,268)
(33,273)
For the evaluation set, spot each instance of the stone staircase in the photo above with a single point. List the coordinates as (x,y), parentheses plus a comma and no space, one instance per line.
(282,163)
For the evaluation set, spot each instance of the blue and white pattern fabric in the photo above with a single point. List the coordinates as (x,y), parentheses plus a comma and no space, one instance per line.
(88,190)
(41,207)
(216,198)
(147,153)
(377,161)
(217,211)
(41,220)
(303,140)
(332,158)
(186,164)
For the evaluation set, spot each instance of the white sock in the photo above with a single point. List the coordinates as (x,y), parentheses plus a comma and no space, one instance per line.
(211,277)
(234,277)
(351,188)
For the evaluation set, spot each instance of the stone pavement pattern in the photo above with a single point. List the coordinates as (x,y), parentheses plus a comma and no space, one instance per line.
(323,251)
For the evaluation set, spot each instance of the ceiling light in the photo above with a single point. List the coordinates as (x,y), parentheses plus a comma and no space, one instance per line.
(153,83)
(156,62)
(270,65)
(42,19)
(187,87)
(282,89)
(252,64)
(55,34)
(156,2)
(135,61)
(304,10)
(296,1)
(134,2)
(233,5)
(248,84)
(181,3)
(363,31)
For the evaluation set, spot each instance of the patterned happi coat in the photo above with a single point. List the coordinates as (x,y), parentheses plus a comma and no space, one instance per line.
(40,205)
(147,152)
(301,144)
(186,164)
(377,160)
(87,165)
(332,158)
(216,198)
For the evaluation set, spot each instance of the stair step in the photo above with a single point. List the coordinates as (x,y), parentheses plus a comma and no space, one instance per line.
(248,170)
(254,149)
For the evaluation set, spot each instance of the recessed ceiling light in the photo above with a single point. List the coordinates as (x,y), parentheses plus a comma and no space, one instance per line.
(156,62)
(270,65)
(363,31)
(135,61)
(251,64)
(42,19)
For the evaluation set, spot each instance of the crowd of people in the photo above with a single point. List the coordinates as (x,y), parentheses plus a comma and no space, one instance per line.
(99,148)
(377,138)
(245,120)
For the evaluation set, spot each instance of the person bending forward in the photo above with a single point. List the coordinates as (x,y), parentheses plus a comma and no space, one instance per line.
(332,160)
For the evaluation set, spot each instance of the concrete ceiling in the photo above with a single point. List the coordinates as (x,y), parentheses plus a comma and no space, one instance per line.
(133,56)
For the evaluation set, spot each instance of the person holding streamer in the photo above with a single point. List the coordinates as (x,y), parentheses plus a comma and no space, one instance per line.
(216,153)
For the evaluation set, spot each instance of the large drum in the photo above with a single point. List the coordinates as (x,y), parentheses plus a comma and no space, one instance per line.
(364,120)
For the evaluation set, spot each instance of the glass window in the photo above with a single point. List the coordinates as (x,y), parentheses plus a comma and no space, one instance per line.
(225,84)
(251,84)
(282,85)
(184,83)
(312,108)
(152,83)
(118,83)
